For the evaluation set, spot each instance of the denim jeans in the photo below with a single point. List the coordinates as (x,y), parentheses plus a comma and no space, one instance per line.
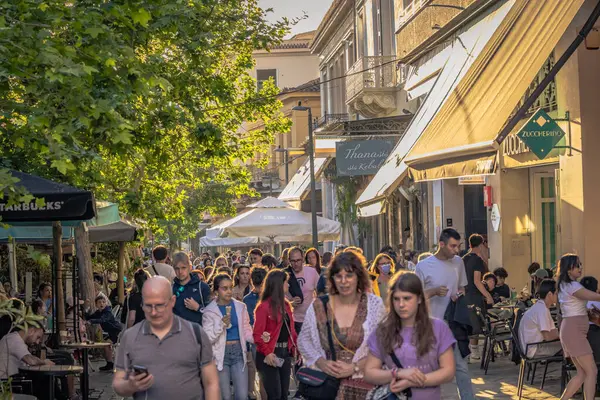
(463,378)
(233,371)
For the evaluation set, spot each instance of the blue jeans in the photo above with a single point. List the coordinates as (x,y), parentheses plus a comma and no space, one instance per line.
(233,371)
(463,378)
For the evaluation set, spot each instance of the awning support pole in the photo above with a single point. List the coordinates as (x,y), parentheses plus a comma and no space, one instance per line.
(519,115)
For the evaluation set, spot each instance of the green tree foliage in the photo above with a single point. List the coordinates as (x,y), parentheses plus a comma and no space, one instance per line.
(140,101)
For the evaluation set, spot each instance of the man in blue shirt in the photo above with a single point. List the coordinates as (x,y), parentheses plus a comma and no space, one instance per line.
(257,276)
(192,294)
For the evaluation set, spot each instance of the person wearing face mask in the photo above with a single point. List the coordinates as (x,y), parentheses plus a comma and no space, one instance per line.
(381,270)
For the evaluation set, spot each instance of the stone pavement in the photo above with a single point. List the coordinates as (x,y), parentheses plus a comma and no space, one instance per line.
(500,383)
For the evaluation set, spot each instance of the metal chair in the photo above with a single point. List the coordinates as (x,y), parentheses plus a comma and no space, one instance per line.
(529,364)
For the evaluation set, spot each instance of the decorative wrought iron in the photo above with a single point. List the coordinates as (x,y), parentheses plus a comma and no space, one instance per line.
(375,72)
(547,99)
(330,118)
(367,127)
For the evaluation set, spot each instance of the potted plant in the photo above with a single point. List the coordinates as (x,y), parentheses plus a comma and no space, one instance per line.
(21,317)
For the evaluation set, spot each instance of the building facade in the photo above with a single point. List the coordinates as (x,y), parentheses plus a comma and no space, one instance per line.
(471,66)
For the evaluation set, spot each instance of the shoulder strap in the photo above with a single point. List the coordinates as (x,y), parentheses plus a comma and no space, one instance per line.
(155,271)
(395,360)
(325,300)
(202,305)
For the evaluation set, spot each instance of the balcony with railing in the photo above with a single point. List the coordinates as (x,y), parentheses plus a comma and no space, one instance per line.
(328,119)
(371,86)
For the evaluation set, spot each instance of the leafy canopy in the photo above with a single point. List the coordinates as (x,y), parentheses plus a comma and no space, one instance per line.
(140,101)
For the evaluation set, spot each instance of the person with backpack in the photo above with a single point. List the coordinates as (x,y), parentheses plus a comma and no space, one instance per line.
(191,294)
(165,356)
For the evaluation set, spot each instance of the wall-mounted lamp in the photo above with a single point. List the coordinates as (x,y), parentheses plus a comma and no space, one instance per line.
(592,40)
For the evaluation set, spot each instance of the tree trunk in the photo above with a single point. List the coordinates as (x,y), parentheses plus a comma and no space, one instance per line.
(121,272)
(84,261)
(59,317)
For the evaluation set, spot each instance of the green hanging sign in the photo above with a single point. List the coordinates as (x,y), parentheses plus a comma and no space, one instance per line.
(541,133)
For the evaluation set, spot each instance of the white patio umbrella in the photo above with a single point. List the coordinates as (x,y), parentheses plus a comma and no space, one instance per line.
(275,219)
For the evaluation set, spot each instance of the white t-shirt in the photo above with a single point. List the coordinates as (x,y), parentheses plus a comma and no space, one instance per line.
(571,306)
(12,351)
(535,321)
(434,272)
(163,270)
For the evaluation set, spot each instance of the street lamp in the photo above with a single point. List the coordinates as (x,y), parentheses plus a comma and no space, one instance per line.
(313,185)
(295,151)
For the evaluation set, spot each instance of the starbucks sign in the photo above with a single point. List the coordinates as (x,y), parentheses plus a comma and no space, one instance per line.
(541,133)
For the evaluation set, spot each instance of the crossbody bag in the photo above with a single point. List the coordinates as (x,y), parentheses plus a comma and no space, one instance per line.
(315,384)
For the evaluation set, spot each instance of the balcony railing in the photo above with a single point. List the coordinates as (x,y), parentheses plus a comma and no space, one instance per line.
(330,119)
(378,72)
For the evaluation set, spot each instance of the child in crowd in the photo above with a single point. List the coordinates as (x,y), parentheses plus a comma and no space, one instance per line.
(421,344)
(103,316)
(501,289)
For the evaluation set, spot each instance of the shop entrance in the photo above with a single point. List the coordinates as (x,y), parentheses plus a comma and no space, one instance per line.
(475,212)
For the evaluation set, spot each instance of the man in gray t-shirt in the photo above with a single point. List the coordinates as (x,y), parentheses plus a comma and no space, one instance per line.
(176,354)
(444,277)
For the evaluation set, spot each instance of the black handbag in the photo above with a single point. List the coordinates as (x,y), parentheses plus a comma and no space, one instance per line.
(314,384)
(383,392)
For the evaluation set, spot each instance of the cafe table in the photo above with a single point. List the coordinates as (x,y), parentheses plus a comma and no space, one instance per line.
(51,371)
(85,348)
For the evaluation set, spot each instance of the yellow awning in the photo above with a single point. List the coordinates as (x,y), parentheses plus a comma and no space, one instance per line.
(482,102)
(464,49)
(460,167)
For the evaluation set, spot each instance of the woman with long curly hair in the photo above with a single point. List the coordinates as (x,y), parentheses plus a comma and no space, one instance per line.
(423,345)
(354,312)
(572,300)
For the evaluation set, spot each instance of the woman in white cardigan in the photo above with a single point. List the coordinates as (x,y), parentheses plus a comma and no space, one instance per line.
(227,324)
(355,314)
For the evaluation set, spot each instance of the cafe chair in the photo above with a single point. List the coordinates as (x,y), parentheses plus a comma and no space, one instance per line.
(529,364)
(20,385)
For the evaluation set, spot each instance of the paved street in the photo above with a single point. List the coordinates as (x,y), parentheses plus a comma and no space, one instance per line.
(500,383)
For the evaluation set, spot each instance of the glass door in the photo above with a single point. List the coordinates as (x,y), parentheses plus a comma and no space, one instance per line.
(544,217)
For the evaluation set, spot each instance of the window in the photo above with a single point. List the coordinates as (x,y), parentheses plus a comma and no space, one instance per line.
(263,75)
(406,3)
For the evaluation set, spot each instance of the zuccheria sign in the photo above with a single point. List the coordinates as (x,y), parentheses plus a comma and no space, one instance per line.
(541,133)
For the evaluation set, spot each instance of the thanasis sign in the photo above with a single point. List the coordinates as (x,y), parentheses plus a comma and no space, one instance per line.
(541,133)
(361,157)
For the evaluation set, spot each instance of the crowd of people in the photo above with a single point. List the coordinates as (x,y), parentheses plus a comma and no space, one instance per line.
(343,327)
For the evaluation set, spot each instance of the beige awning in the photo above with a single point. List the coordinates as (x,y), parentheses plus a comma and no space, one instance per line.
(372,210)
(299,186)
(464,49)
(465,166)
(483,101)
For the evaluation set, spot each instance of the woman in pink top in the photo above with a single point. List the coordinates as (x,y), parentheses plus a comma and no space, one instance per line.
(572,299)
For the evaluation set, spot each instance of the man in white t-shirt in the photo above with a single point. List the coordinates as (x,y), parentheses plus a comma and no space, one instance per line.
(444,279)
(303,284)
(14,351)
(160,266)
(537,324)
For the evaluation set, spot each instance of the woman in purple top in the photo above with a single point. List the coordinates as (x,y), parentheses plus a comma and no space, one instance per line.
(423,345)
